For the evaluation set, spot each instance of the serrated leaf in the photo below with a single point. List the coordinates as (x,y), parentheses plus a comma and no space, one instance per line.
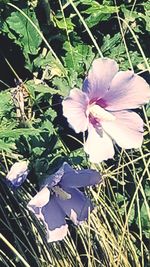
(131,16)
(22,31)
(50,66)
(62,85)
(64,24)
(77,57)
(48,126)
(50,113)
(15,133)
(41,88)
(98,13)
(8,147)
(110,42)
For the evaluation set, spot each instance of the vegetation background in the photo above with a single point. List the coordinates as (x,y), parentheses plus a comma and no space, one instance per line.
(46,48)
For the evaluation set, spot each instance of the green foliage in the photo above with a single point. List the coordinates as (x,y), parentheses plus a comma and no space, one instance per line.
(114,48)
(97,12)
(77,57)
(135,16)
(50,66)
(145,222)
(5,104)
(7,146)
(63,24)
(25,35)
(40,88)
(21,31)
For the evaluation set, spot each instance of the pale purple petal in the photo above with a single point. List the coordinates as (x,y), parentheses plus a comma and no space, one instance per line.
(55,178)
(53,218)
(18,173)
(80,178)
(77,207)
(126,130)
(127,91)
(98,147)
(74,109)
(99,78)
(68,177)
(39,200)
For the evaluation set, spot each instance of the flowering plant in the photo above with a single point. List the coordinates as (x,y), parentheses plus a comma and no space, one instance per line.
(103,107)
(18,173)
(59,196)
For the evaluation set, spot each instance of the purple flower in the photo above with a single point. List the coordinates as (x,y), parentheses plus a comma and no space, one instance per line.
(60,196)
(103,108)
(18,173)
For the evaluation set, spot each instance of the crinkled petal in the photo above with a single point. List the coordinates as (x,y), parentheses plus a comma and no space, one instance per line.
(127,91)
(99,78)
(80,178)
(98,147)
(53,218)
(126,130)
(77,207)
(74,109)
(18,173)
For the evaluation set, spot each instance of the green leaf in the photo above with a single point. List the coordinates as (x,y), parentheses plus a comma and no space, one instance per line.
(15,133)
(48,126)
(5,103)
(7,146)
(40,88)
(64,24)
(77,57)
(147,15)
(98,12)
(132,215)
(145,221)
(109,43)
(120,198)
(50,66)
(20,30)
(62,85)
(50,113)
(24,33)
(136,15)
(113,47)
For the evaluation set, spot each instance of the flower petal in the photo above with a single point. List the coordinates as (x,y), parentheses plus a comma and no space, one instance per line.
(53,218)
(74,109)
(126,130)
(54,179)
(18,173)
(68,177)
(99,148)
(99,78)
(39,200)
(80,178)
(77,207)
(127,91)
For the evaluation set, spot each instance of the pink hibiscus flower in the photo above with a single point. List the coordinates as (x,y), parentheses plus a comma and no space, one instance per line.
(103,108)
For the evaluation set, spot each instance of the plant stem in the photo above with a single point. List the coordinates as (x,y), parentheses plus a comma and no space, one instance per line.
(14,250)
